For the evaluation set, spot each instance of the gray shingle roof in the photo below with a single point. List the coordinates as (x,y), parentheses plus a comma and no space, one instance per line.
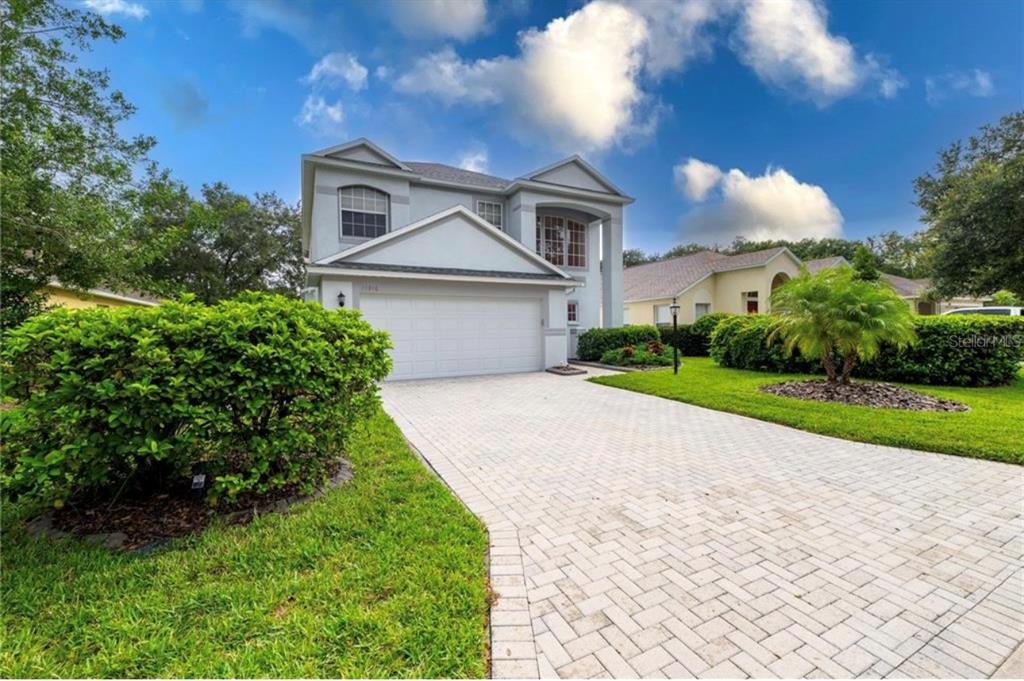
(908,288)
(440,171)
(666,278)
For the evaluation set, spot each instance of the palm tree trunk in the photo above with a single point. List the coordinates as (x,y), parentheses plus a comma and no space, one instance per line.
(829,362)
(848,362)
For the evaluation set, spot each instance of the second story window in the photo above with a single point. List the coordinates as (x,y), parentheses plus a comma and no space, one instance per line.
(490,211)
(364,212)
(562,241)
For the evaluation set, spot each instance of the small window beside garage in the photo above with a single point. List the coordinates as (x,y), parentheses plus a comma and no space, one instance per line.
(572,312)
(490,211)
(701,309)
(364,212)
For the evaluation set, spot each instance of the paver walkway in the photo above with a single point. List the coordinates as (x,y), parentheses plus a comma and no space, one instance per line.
(636,536)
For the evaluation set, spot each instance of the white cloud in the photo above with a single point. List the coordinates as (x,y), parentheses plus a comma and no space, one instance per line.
(771,206)
(323,118)
(337,68)
(383,72)
(446,76)
(577,80)
(582,82)
(788,45)
(458,19)
(695,178)
(677,31)
(970,83)
(112,7)
(474,159)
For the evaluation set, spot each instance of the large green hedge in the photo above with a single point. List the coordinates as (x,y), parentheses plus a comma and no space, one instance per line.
(950,350)
(255,393)
(968,350)
(595,342)
(693,340)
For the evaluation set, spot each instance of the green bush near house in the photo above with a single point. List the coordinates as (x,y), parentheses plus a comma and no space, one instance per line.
(595,342)
(746,342)
(257,393)
(963,350)
(630,356)
(693,340)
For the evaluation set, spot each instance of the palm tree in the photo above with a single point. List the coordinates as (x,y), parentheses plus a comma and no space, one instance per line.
(834,312)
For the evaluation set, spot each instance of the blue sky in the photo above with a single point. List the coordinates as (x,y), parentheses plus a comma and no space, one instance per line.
(766,118)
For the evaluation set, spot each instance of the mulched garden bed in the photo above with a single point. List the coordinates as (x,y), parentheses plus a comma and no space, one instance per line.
(885,395)
(145,523)
(565,370)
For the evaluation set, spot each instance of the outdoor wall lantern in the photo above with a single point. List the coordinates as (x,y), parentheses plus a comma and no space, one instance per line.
(341,299)
(674,309)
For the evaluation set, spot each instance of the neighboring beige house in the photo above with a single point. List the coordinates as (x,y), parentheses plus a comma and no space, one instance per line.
(705,282)
(61,296)
(914,291)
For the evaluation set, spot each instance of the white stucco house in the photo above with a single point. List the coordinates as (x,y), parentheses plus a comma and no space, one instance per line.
(469,273)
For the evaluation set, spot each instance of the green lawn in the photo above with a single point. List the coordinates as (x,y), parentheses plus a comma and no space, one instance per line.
(991,429)
(383,577)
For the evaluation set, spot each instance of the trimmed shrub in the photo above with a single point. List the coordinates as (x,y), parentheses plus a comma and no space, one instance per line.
(595,342)
(630,356)
(693,340)
(741,342)
(256,393)
(965,350)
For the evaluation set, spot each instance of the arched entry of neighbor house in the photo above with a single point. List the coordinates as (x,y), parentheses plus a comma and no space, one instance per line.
(778,280)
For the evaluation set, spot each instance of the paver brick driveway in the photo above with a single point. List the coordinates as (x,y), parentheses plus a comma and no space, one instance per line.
(636,536)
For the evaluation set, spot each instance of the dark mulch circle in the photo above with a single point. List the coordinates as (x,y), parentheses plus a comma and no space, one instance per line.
(144,522)
(885,395)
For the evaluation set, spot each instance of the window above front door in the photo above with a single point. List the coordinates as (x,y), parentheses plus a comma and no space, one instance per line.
(562,241)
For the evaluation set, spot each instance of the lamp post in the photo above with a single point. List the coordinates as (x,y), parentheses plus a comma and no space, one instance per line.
(341,299)
(674,308)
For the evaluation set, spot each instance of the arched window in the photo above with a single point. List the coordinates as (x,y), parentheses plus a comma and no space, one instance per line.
(364,212)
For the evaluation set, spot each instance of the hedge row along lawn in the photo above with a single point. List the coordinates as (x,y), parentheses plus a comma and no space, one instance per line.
(382,577)
(991,429)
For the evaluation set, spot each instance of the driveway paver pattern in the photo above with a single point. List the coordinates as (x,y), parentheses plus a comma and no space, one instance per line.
(634,536)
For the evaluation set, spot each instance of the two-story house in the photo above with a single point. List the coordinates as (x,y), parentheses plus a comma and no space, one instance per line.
(469,273)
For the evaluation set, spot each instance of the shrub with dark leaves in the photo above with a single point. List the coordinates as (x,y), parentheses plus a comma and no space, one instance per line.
(256,393)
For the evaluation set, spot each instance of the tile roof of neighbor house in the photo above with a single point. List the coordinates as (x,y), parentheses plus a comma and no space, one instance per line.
(446,173)
(824,263)
(666,278)
(907,288)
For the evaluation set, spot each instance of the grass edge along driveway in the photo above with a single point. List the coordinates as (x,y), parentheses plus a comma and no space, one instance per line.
(991,429)
(383,577)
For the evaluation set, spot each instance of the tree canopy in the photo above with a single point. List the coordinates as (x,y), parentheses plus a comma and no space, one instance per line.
(222,244)
(67,170)
(973,204)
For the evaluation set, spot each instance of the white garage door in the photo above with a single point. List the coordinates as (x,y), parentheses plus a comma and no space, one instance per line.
(457,336)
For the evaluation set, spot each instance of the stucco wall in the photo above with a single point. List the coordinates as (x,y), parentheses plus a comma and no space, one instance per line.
(325,230)
(730,286)
(454,242)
